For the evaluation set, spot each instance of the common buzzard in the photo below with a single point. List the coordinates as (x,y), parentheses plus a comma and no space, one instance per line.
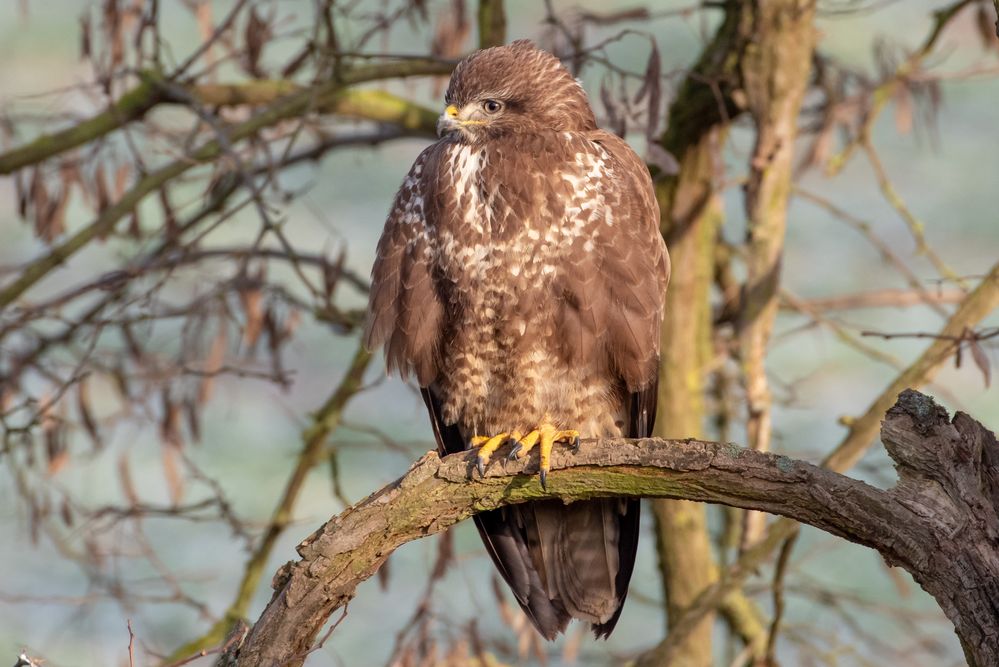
(520,278)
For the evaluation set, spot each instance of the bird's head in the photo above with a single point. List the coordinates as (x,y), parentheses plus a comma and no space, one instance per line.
(513,89)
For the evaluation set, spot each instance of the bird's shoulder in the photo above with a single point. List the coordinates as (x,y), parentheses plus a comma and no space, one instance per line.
(619,152)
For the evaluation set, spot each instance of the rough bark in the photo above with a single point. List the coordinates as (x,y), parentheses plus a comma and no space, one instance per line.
(941,521)
(949,478)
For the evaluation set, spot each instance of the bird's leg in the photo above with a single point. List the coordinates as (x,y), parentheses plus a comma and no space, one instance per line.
(488,444)
(547,435)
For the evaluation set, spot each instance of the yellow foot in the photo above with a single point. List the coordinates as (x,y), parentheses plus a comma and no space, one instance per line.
(488,444)
(547,435)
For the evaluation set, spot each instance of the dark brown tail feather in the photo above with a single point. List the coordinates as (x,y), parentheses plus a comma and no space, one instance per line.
(506,538)
(628,531)
(521,539)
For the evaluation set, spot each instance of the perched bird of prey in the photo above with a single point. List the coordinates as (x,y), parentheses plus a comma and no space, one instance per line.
(520,278)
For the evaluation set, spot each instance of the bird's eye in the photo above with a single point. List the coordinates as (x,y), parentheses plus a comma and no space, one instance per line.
(492,106)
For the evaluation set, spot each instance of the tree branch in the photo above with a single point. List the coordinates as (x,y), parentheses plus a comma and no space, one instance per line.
(153,90)
(130,107)
(329,97)
(775,73)
(946,484)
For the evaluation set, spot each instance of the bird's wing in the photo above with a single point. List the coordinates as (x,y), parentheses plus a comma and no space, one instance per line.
(405,307)
(613,292)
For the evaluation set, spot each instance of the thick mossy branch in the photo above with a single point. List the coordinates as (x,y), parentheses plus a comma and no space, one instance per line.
(946,482)
(130,107)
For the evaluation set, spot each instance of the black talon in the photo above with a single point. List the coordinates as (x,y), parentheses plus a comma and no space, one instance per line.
(544,480)
(480,465)
(513,452)
(575,445)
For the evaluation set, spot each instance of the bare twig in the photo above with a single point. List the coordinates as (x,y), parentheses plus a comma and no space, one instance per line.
(778,597)
(915,226)
(131,640)
(880,298)
(885,91)
(886,251)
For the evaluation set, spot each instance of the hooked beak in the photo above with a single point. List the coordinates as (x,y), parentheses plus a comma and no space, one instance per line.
(448,121)
(453,120)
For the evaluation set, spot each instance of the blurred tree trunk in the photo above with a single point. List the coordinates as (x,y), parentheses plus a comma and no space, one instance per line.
(492,23)
(763,50)
(775,69)
(691,215)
